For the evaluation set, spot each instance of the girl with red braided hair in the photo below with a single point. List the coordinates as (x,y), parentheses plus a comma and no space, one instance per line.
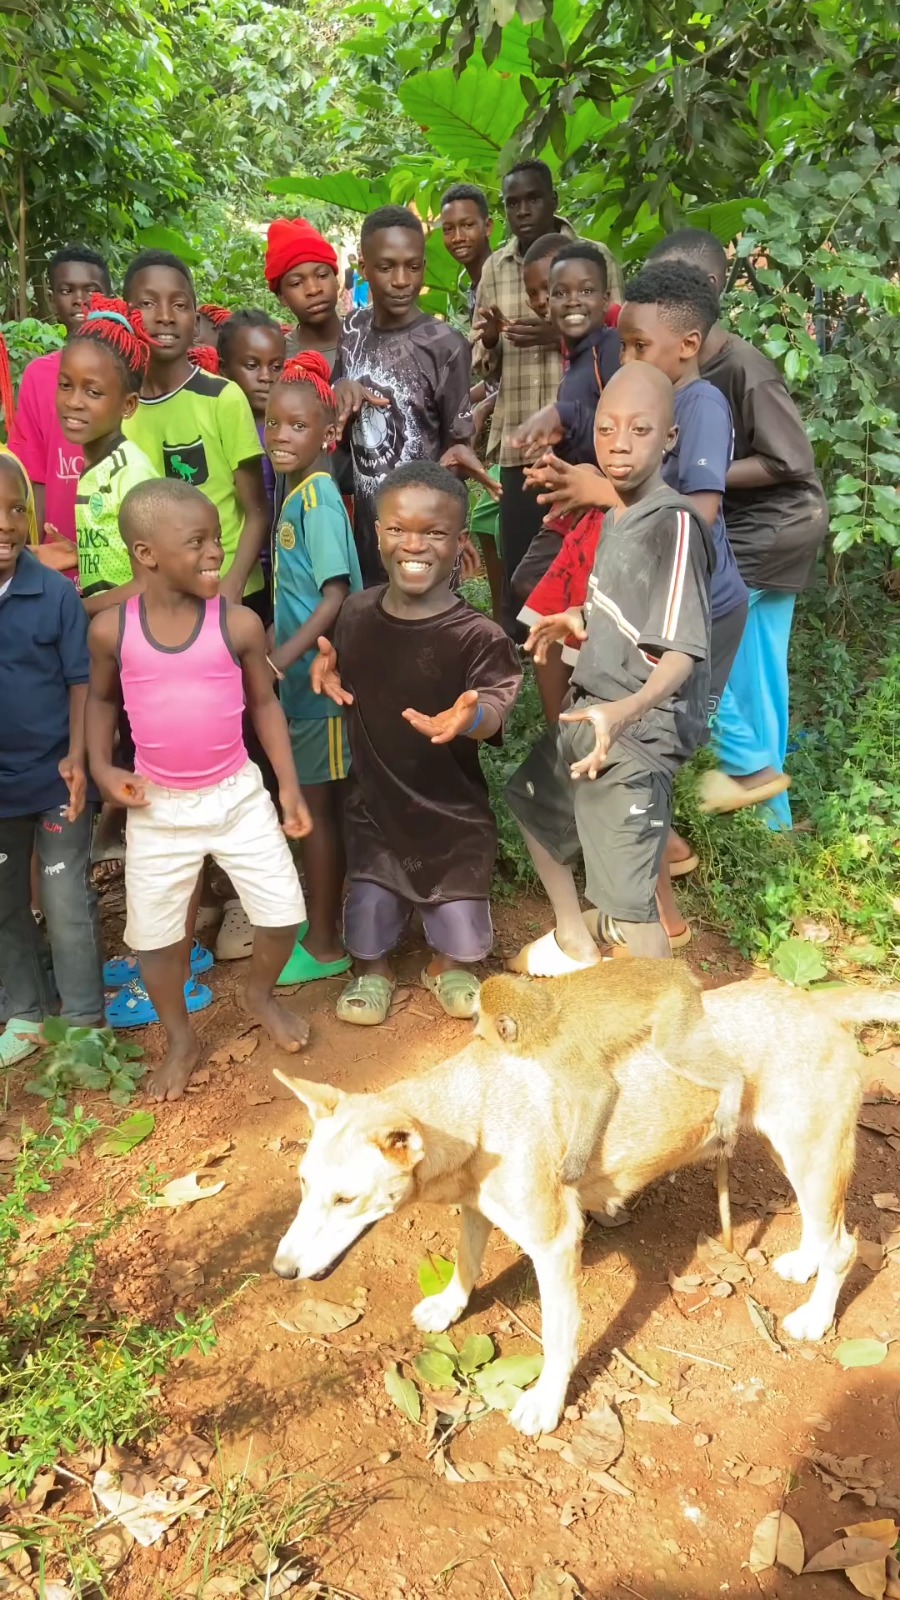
(315,568)
(100,376)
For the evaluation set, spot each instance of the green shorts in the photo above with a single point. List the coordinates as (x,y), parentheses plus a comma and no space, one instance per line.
(484,518)
(321,749)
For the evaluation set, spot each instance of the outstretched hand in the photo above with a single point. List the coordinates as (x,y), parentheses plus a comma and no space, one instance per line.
(462,460)
(554,630)
(605,729)
(543,429)
(569,489)
(446,725)
(324,677)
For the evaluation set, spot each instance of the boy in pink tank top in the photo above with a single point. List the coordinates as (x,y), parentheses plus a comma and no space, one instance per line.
(186,662)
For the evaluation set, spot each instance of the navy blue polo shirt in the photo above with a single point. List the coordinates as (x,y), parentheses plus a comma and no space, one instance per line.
(43,651)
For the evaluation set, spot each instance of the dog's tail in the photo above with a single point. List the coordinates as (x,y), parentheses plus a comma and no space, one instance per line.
(858,1006)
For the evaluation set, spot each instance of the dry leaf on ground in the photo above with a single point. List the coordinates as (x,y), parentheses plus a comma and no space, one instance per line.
(883,1528)
(554,1583)
(213,1153)
(722,1263)
(184,1455)
(184,1191)
(777,1541)
(146,1517)
(887,1201)
(763,1321)
(319,1318)
(13,1553)
(851,1552)
(468,1471)
(848,1475)
(111,1548)
(870,1254)
(182,1276)
(869,1579)
(597,1442)
(685,1284)
(9,1149)
(230,1055)
(656,1408)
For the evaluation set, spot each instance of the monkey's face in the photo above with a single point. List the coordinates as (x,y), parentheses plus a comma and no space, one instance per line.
(517,1014)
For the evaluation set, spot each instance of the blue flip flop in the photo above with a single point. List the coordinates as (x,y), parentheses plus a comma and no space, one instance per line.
(126,969)
(133,1008)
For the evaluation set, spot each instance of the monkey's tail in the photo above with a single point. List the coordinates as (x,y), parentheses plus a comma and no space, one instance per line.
(723,1195)
(860,1005)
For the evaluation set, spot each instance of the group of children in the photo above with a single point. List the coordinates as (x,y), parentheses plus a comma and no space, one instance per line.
(268,534)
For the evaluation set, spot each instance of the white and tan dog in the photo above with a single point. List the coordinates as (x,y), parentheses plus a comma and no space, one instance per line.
(491,1129)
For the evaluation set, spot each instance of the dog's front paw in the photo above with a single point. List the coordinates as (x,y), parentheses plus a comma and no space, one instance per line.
(796,1266)
(806,1323)
(438,1311)
(536,1412)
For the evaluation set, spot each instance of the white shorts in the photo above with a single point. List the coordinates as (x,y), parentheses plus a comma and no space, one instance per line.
(236,823)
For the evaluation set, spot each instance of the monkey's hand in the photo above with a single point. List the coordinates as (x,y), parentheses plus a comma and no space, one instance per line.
(606,725)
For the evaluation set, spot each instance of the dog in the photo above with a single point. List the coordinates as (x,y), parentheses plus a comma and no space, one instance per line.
(490,1129)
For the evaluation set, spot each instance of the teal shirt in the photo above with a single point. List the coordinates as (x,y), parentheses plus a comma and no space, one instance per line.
(313,545)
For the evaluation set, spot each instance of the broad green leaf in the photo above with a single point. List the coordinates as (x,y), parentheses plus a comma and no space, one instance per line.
(442,1342)
(404,1393)
(477,1351)
(160,238)
(129,1133)
(435,1369)
(468,119)
(435,1273)
(798,962)
(861,1353)
(441,271)
(54,1030)
(506,1372)
(338,189)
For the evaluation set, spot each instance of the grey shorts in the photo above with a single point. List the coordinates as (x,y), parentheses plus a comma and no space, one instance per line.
(618,821)
(375,920)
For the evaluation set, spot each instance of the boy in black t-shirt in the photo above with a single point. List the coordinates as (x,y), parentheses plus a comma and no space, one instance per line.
(640,690)
(777,517)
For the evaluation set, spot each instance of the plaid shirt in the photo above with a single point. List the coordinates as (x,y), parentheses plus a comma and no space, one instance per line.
(529,378)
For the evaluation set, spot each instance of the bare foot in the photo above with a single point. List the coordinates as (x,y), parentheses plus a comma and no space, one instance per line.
(171,1077)
(284,1028)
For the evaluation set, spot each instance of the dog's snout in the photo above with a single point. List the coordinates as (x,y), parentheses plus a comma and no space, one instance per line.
(284,1268)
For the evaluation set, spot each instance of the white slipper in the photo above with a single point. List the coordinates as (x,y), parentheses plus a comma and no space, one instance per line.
(543,958)
(234,940)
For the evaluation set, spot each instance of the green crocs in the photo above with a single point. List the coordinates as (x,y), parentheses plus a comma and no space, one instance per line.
(366,1001)
(303,968)
(456,992)
(19,1040)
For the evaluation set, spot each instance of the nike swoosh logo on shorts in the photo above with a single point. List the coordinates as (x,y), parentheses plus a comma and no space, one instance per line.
(638,811)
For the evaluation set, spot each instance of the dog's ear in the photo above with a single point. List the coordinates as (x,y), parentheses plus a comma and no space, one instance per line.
(403,1146)
(320,1099)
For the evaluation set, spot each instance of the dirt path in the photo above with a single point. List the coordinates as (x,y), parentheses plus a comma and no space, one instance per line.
(747,1414)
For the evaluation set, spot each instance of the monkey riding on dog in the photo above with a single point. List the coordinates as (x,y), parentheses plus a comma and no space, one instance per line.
(493,1130)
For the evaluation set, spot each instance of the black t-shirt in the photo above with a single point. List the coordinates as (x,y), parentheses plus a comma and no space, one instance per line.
(774,531)
(417,818)
(649,593)
(425,371)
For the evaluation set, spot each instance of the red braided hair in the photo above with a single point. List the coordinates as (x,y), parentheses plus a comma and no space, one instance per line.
(110,323)
(7,397)
(205,356)
(311,367)
(217,315)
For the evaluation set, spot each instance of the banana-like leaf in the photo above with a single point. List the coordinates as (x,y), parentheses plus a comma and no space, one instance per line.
(469,118)
(338,189)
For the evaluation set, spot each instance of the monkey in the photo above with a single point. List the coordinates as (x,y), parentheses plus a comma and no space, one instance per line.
(654,1002)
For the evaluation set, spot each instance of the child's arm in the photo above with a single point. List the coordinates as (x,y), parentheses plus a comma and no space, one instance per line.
(568,489)
(249,643)
(457,428)
(251,491)
(74,661)
(778,446)
(102,713)
(613,718)
(105,599)
(323,619)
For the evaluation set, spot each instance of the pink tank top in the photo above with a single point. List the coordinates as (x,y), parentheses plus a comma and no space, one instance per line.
(185,705)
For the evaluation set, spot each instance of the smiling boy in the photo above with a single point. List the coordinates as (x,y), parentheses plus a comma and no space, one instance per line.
(51,461)
(600,782)
(467,225)
(426,678)
(197,428)
(302,270)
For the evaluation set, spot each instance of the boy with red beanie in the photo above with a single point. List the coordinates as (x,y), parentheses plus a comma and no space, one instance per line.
(302,270)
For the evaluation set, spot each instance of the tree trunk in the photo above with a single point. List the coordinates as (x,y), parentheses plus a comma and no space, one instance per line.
(20,243)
